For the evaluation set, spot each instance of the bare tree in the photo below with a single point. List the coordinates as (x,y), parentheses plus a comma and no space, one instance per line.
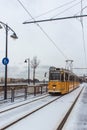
(34,64)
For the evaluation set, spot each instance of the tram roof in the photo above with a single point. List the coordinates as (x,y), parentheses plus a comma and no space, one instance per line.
(51,69)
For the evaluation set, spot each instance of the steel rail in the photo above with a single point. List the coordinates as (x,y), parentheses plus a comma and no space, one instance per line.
(23,104)
(61,125)
(27,114)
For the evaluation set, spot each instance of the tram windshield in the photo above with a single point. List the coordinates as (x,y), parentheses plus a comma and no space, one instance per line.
(54,76)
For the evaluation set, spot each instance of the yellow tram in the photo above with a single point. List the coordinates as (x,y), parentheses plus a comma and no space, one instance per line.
(62,81)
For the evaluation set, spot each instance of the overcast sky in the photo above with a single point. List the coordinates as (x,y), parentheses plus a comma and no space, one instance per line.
(65,36)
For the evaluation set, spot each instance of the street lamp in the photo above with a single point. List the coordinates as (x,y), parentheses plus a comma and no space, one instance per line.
(28,61)
(45,74)
(7,28)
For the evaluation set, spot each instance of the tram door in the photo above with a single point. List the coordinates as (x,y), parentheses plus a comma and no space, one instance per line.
(67,82)
(64,83)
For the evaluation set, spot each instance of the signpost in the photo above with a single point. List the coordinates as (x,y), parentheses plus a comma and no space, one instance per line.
(5,61)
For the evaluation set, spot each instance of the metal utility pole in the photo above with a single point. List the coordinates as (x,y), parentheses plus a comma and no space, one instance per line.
(54,19)
(69,64)
(5,60)
(28,61)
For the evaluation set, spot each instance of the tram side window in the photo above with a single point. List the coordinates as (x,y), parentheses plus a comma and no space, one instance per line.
(71,78)
(66,76)
(62,77)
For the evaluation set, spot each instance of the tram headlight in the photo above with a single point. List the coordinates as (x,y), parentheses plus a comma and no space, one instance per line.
(54,87)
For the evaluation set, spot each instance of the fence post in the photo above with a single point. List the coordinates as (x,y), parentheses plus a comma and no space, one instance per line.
(12,94)
(25,93)
(41,89)
(34,90)
(46,88)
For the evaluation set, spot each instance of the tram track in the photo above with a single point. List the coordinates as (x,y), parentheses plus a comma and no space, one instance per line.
(61,125)
(22,104)
(26,113)
(23,115)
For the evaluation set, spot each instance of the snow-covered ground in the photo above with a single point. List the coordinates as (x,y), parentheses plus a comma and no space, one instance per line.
(19,100)
(50,116)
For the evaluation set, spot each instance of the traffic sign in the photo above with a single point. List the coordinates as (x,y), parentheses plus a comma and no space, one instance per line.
(5,61)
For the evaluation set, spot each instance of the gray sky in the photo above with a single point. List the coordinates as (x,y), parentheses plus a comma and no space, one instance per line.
(66,34)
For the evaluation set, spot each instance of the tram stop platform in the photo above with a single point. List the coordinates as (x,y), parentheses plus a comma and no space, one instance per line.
(78,117)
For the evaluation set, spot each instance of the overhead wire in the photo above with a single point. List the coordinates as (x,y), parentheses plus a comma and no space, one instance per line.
(83,36)
(51,10)
(53,42)
(66,9)
(59,50)
(80,10)
(82,25)
(81,20)
(56,15)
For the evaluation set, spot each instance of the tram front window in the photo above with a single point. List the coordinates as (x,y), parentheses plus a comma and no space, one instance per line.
(54,76)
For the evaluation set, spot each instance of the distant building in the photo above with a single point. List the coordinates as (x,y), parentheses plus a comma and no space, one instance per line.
(11,80)
(16,80)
